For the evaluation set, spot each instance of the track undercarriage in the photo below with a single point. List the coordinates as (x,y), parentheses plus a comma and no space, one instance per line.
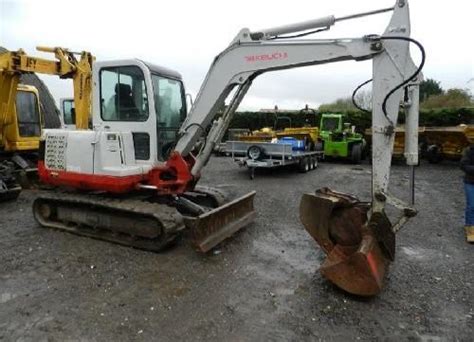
(9,187)
(17,172)
(147,222)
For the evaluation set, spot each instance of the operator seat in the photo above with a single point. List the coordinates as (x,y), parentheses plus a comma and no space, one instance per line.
(126,107)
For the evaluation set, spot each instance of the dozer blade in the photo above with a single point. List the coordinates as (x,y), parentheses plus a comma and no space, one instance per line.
(28,179)
(212,227)
(9,193)
(358,253)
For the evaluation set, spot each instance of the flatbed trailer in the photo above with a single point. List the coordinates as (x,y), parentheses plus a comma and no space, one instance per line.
(267,155)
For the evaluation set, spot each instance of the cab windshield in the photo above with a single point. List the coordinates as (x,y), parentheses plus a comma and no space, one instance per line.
(330,124)
(123,94)
(170,111)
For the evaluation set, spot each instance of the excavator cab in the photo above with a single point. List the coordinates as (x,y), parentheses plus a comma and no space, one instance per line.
(20,132)
(23,129)
(148,99)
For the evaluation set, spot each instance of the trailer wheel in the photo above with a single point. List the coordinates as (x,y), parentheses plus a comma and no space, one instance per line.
(433,154)
(303,165)
(255,152)
(356,153)
(315,163)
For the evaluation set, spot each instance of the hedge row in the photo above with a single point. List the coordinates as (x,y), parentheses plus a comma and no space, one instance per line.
(436,117)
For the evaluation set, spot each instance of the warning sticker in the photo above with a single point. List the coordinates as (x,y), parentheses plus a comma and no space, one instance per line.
(55,152)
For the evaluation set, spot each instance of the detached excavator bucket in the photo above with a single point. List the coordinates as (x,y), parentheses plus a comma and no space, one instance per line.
(358,252)
(212,227)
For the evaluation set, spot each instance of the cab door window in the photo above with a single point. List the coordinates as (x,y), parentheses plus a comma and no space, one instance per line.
(123,94)
(27,111)
(69,112)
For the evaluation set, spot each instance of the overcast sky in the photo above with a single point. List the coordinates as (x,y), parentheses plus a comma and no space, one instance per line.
(186,35)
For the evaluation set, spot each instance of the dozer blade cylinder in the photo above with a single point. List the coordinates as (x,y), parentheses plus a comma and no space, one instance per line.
(212,227)
(356,260)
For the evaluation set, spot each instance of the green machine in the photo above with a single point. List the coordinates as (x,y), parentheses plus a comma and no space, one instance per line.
(339,138)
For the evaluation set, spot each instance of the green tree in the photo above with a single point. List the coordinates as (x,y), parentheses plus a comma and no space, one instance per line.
(452,98)
(340,105)
(429,87)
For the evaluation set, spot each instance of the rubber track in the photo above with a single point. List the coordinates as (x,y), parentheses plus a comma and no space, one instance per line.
(170,219)
(219,195)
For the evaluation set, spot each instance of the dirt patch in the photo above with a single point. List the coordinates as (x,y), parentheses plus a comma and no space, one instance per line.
(261,285)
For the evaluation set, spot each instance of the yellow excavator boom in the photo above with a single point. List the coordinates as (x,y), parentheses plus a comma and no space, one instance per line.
(66,65)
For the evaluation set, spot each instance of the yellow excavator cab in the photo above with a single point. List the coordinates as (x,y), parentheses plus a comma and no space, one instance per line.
(22,129)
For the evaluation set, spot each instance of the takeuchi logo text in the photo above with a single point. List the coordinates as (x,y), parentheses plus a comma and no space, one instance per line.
(267,57)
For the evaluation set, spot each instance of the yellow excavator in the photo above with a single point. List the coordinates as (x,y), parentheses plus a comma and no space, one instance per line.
(21,114)
(19,136)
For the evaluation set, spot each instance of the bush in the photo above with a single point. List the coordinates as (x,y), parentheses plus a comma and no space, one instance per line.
(362,120)
(453,98)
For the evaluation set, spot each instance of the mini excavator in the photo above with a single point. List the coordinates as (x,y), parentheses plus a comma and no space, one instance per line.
(132,179)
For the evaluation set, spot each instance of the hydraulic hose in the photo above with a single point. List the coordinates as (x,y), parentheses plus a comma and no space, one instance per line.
(402,84)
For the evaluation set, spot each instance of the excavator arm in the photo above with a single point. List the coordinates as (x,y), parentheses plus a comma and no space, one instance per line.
(358,237)
(252,53)
(241,63)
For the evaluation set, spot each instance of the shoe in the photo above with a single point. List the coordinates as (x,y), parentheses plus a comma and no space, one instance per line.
(469,233)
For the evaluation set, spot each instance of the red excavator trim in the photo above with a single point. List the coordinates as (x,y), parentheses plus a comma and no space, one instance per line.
(88,181)
(173,178)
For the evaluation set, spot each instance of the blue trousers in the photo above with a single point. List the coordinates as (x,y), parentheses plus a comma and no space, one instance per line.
(469,190)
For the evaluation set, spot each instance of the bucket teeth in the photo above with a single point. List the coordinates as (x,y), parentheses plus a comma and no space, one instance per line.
(358,253)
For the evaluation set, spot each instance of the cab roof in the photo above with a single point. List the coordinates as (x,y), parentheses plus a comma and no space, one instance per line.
(163,71)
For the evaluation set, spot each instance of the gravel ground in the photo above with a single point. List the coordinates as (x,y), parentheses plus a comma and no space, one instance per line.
(261,285)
